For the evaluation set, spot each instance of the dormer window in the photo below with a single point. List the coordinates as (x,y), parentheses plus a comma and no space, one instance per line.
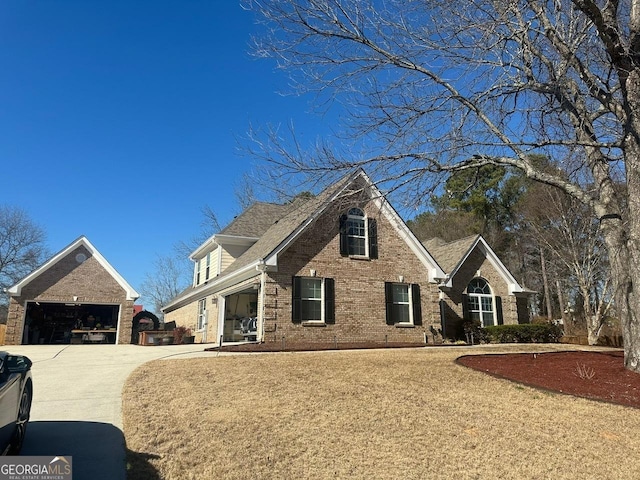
(358,234)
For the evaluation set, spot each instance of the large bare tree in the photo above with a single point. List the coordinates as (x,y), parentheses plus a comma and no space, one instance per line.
(435,86)
(22,249)
(564,227)
(169,277)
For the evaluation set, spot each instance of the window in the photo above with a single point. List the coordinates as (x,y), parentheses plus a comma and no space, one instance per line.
(358,234)
(403,304)
(313,300)
(202,314)
(208,269)
(198,264)
(480,302)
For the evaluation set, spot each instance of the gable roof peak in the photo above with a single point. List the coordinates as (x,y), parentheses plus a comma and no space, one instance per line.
(81,241)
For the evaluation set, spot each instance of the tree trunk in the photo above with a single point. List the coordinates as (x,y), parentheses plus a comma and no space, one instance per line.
(624,246)
(545,282)
(594,327)
(562,302)
(592,319)
(623,259)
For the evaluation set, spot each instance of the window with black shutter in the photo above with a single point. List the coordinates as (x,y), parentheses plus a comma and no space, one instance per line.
(313,300)
(403,304)
(373,237)
(358,234)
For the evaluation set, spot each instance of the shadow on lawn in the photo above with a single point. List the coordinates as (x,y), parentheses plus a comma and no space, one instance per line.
(97,450)
(139,467)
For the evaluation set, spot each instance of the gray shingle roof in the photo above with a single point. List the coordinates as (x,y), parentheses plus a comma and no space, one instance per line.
(448,255)
(256,219)
(286,226)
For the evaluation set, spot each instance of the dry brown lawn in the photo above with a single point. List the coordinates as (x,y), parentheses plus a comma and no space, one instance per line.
(376,414)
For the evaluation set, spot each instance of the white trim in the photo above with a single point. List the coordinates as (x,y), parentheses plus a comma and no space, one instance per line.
(512,283)
(214,286)
(218,239)
(260,312)
(205,330)
(118,327)
(388,211)
(202,313)
(16,290)
(409,304)
(222,308)
(365,227)
(322,299)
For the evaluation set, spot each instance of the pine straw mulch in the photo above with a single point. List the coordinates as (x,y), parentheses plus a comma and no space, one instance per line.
(383,414)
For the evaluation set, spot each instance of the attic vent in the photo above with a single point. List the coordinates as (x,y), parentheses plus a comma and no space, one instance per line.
(81,257)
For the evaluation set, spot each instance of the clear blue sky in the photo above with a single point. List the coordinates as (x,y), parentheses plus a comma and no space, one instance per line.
(119,119)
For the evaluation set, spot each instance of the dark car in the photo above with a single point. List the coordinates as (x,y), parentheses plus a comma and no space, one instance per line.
(16,392)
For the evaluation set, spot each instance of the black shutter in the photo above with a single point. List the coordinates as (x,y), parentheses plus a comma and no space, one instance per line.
(296,300)
(388,296)
(465,307)
(417,306)
(373,238)
(329,301)
(344,239)
(499,310)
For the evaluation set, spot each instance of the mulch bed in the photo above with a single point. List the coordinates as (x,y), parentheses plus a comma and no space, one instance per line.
(593,375)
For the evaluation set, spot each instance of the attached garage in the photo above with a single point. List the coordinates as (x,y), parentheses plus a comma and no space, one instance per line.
(75,297)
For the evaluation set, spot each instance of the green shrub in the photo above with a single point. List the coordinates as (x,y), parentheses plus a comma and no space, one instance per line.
(474,333)
(524,333)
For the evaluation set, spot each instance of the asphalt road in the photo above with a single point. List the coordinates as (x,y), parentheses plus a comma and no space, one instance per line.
(77,402)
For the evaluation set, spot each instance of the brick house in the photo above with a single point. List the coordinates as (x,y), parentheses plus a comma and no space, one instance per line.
(76,289)
(340,267)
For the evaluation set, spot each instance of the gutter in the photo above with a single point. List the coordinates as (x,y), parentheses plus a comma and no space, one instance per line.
(220,283)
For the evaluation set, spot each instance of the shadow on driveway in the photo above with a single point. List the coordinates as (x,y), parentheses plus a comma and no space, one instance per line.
(97,449)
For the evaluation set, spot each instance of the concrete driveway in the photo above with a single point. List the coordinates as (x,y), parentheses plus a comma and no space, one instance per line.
(77,402)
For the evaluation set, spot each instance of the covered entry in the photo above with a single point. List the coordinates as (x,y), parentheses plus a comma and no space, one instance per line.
(240,318)
(59,323)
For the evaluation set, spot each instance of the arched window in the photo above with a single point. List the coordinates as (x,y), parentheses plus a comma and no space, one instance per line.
(480,302)
(356,232)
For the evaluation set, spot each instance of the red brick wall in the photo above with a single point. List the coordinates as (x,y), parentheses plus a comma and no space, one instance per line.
(359,286)
(88,281)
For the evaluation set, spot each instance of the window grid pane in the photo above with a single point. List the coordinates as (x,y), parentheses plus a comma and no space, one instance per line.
(401,303)
(311,296)
(356,232)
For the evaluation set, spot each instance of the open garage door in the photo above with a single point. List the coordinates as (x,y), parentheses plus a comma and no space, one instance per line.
(60,323)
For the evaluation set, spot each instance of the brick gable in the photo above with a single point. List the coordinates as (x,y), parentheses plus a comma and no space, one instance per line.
(359,284)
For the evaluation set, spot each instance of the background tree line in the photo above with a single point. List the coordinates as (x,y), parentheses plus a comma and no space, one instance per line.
(549,241)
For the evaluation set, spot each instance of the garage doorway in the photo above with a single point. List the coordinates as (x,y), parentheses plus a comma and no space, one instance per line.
(49,323)
(240,319)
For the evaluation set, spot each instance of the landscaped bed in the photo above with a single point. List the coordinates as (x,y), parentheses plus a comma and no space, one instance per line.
(594,375)
(394,413)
